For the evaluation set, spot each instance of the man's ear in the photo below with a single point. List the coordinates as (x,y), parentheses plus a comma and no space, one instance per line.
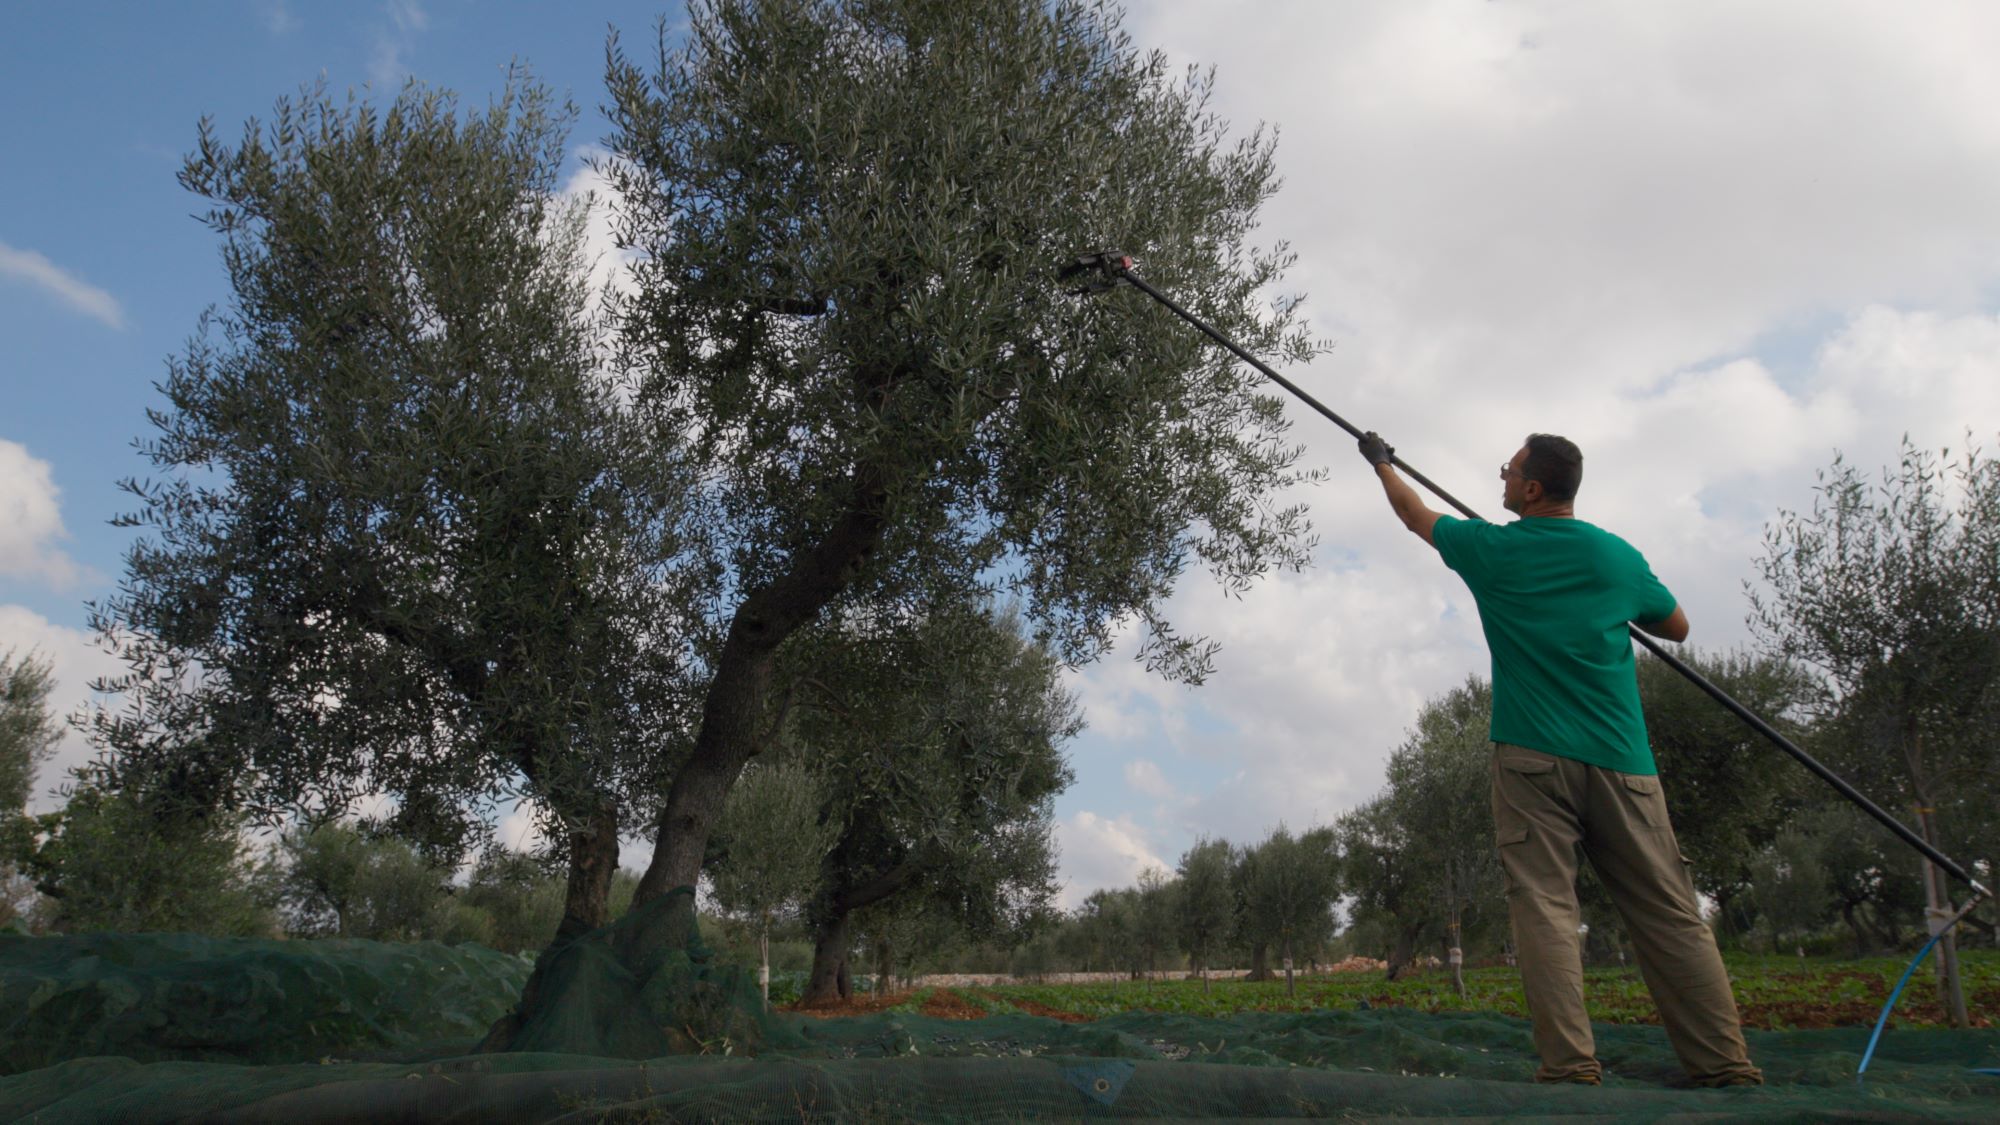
(1531,491)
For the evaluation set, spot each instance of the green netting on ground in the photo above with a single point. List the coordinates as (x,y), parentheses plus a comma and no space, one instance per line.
(645,986)
(198,1002)
(1019,1068)
(177,996)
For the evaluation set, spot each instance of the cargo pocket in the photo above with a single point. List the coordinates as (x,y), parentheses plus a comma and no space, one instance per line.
(1643,798)
(1502,838)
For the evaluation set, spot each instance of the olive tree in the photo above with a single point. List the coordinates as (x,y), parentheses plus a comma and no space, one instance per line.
(1206,904)
(1289,884)
(940,744)
(848,216)
(1731,792)
(28,735)
(28,732)
(773,837)
(1438,788)
(133,856)
(402,539)
(1890,594)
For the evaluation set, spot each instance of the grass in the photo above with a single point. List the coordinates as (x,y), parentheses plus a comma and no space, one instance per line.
(1773,993)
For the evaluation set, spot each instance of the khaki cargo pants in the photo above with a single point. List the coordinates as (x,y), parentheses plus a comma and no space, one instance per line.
(1547,810)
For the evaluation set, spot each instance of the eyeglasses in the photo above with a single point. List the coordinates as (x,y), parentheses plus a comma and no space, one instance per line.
(1507,470)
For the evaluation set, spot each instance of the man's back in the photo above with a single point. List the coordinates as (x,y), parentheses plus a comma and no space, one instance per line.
(1555,596)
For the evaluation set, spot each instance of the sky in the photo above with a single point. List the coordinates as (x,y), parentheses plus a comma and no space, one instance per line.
(1711,243)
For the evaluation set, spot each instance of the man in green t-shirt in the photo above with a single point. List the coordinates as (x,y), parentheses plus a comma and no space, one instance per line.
(1572,772)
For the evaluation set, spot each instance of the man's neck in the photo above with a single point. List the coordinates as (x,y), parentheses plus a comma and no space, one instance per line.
(1549,510)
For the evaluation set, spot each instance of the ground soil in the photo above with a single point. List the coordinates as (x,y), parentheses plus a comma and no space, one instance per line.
(944,1004)
(1034,1009)
(860,1004)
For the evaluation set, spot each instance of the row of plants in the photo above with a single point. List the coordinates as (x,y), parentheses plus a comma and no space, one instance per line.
(1773,992)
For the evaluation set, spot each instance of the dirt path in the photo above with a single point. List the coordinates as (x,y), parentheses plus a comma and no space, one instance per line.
(1035,1009)
(944,1004)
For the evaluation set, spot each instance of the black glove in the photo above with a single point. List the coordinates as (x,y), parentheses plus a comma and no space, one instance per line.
(1377,451)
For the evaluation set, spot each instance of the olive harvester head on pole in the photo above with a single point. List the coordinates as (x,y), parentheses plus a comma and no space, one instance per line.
(1101,271)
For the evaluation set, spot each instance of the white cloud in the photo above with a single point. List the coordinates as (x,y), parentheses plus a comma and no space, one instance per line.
(388,65)
(75,660)
(519,829)
(31,520)
(1712,245)
(610,267)
(279,19)
(1145,776)
(1097,853)
(71,290)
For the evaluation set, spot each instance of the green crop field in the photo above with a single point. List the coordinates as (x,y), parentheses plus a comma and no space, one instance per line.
(1774,993)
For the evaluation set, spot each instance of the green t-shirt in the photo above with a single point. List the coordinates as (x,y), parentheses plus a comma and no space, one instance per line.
(1554,598)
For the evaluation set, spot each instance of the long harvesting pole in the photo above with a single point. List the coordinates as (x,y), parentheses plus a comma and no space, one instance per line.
(1112,267)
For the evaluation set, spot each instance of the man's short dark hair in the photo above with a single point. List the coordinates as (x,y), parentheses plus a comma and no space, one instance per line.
(1557,463)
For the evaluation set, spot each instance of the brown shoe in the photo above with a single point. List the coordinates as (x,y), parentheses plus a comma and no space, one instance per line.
(1572,1080)
(1717,1082)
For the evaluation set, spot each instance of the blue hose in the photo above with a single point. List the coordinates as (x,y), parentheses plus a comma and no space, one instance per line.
(1890,1005)
(1882,1021)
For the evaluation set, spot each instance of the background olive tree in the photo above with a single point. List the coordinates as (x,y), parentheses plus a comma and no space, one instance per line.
(402,539)
(940,744)
(28,735)
(1289,884)
(774,836)
(1205,903)
(1890,594)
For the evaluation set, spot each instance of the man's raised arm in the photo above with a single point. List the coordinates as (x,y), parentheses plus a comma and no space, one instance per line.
(1409,506)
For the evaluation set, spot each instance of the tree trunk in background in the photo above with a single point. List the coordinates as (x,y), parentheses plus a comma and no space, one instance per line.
(1456,955)
(828,981)
(764,963)
(1404,952)
(1854,924)
(1260,961)
(885,974)
(593,860)
(1951,986)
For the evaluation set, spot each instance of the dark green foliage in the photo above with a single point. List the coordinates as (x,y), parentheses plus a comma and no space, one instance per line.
(1890,594)
(1729,790)
(343,881)
(522,901)
(938,742)
(28,732)
(852,211)
(1288,885)
(1205,902)
(400,525)
(137,859)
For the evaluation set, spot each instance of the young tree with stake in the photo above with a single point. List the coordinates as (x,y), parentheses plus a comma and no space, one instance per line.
(775,835)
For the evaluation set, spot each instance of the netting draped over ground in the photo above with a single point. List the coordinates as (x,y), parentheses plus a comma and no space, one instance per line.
(178,996)
(885,1067)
